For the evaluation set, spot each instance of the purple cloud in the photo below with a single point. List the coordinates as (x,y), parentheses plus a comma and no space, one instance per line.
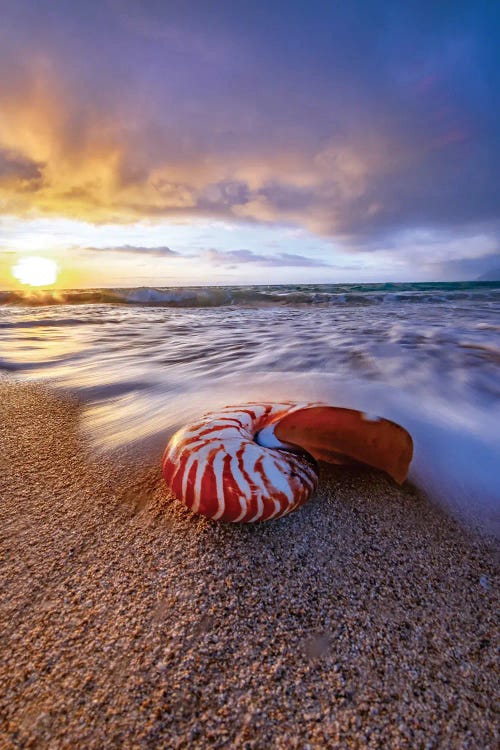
(354,120)
(241,257)
(160,252)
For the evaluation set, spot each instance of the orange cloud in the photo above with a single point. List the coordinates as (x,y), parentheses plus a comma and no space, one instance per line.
(62,157)
(67,154)
(120,111)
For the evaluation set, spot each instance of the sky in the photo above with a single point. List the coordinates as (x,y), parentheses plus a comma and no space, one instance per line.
(164,142)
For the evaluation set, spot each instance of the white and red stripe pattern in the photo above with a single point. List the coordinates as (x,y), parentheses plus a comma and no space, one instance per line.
(223,468)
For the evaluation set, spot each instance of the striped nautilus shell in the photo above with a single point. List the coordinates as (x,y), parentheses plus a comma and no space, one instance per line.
(258,461)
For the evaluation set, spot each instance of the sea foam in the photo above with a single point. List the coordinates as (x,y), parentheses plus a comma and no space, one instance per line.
(148,366)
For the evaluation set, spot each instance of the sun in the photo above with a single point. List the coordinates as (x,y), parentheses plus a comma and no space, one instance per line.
(36,271)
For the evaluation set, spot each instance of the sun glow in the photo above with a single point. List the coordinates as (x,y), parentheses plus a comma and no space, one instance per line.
(36,271)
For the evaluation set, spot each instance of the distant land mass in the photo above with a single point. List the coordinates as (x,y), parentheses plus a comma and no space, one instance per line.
(492,275)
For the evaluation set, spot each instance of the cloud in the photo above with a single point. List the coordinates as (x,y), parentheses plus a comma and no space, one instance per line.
(228,258)
(18,172)
(280,260)
(293,116)
(160,252)
(468,268)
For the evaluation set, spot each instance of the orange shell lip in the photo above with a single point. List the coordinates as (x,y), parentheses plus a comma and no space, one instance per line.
(339,436)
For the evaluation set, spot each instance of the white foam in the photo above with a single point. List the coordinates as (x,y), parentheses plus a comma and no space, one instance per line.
(147,371)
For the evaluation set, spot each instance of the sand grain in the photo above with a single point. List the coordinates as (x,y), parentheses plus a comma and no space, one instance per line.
(366,619)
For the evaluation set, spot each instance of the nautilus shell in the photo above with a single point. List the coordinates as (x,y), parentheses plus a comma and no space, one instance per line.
(257,462)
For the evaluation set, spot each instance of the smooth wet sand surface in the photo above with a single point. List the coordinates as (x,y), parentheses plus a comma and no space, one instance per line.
(365,620)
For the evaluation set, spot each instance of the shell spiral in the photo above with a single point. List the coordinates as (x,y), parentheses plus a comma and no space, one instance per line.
(217,468)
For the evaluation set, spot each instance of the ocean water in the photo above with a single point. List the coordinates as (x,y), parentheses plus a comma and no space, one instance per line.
(147,360)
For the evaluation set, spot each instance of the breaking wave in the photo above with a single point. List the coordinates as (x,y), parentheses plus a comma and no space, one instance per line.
(310,295)
(145,361)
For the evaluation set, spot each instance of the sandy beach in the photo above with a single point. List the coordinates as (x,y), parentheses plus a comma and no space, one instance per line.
(365,620)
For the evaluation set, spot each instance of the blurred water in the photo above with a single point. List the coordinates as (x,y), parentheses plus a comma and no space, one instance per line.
(145,370)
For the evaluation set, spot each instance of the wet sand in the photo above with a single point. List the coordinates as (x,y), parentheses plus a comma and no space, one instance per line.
(365,620)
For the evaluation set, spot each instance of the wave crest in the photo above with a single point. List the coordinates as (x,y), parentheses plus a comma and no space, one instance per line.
(316,295)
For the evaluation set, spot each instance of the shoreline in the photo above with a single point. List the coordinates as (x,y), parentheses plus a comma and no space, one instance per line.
(365,619)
